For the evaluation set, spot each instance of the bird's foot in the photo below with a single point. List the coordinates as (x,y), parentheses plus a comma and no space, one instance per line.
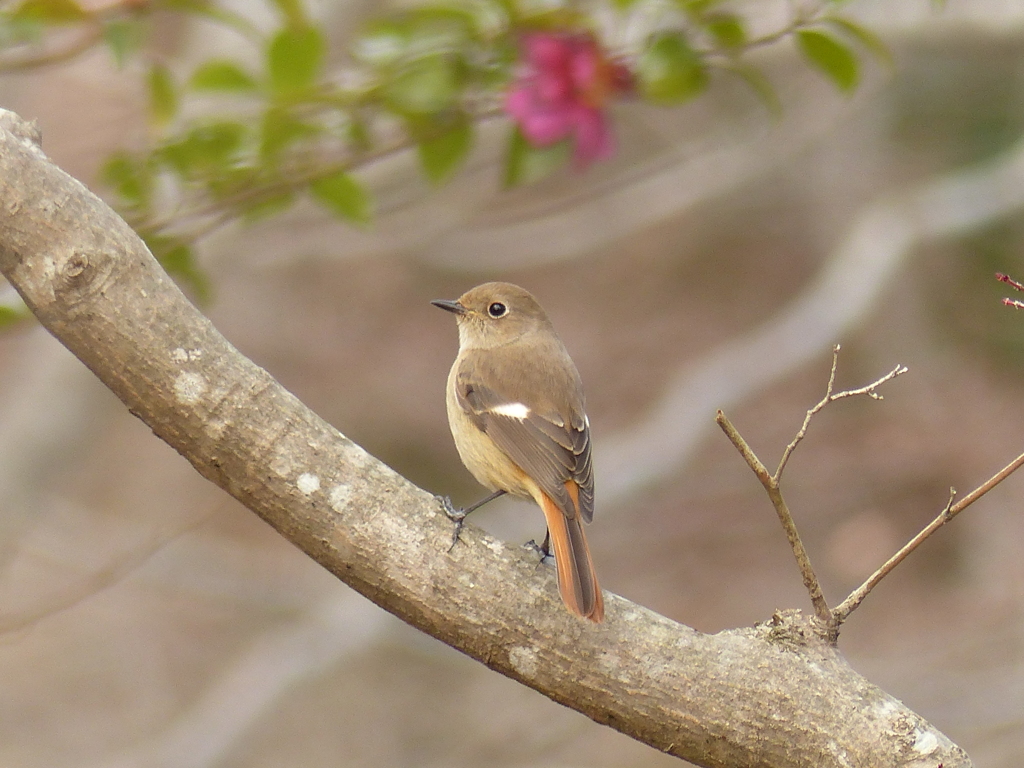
(457,515)
(545,555)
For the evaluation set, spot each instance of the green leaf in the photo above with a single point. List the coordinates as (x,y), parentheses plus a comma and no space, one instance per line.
(267,207)
(438,28)
(696,9)
(344,197)
(123,37)
(130,178)
(383,42)
(441,155)
(760,84)
(221,75)
(527,164)
(205,149)
(17,31)
(179,261)
(187,6)
(294,59)
(216,144)
(670,71)
(163,97)
(293,12)
(830,57)
(872,42)
(50,11)
(727,29)
(10,315)
(212,11)
(427,86)
(279,129)
(358,132)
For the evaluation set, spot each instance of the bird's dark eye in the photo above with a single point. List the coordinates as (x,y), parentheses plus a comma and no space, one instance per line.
(497,309)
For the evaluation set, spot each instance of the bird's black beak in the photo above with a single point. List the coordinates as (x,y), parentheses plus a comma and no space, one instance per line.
(451,306)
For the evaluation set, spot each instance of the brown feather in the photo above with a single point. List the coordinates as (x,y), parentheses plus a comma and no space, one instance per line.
(577,580)
(552,445)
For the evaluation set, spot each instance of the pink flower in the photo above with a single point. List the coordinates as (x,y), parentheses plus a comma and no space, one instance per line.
(562,91)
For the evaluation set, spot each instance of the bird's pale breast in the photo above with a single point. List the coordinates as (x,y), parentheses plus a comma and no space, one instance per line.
(485,460)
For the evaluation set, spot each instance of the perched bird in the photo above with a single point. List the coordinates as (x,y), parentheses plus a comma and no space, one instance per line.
(516,411)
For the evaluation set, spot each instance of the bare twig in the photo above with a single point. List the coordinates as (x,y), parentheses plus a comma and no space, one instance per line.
(772,483)
(951,510)
(81,43)
(832,619)
(830,396)
(810,415)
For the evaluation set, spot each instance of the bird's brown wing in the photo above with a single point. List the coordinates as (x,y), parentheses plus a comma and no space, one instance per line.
(547,436)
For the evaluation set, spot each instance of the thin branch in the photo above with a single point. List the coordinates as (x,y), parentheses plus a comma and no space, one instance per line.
(831,397)
(951,510)
(771,485)
(810,415)
(83,42)
(207,215)
(802,17)
(745,450)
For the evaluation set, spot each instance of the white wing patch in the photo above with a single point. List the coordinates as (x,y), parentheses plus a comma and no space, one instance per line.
(512,410)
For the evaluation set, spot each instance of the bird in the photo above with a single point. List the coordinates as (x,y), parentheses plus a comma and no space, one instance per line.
(516,409)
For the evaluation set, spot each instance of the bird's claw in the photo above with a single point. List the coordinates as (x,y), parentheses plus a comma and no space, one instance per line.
(457,516)
(533,546)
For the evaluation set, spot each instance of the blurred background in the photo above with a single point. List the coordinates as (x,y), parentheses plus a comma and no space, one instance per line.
(149,620)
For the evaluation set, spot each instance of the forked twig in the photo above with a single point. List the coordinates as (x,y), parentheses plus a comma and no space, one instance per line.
(832,619)
(830,397)
(771,483)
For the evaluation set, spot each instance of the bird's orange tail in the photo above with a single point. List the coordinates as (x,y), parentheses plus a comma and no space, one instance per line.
(577,581)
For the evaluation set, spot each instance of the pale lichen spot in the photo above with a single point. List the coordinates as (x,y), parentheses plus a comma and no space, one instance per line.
(926,742)
(308,483)
(512,410)
(886,707)
(339,496)
(494,545)
(180,355)
(282,464)
(215,428)
(523,660)
(189,388)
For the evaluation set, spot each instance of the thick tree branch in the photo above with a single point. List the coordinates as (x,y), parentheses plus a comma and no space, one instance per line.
(773,695)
